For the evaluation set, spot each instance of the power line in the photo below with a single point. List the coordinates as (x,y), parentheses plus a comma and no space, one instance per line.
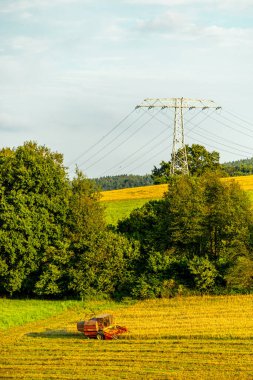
(214,147)
(239,118)
(112,141)
(212,134)
(229,126)
(158,144)
(102,138)
(227,146)
(123,142)
(135,152)
(152,157)
(143,146)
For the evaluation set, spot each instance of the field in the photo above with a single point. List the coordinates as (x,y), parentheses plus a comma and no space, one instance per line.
(120,203)
(181,338)
(116,210)
(144,192)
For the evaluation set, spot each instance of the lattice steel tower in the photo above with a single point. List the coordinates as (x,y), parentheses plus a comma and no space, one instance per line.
(179,162)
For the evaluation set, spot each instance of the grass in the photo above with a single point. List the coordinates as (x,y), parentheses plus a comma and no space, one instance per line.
(116,210)
(119,203)
(206,337)
(19,312)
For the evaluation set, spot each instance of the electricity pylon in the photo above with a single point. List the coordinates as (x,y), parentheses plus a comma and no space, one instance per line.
(179,163)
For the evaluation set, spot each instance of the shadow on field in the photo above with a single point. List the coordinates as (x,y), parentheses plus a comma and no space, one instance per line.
(53,334)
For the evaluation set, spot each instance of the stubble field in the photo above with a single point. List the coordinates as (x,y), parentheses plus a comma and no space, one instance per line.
(181,338)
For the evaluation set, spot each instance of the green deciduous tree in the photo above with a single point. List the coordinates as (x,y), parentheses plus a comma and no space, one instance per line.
(200,161)
(240,275)
(46,221)
(34,199)
(105,266)
(204,273)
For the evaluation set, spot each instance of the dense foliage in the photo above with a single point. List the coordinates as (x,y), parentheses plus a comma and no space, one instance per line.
(198,237)
(123,181)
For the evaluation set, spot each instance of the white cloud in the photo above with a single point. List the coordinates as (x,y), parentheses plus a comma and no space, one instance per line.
(29,44)
(165,23)
(233,4)
(113,32)
(12,124)
(175,25)
(15,6)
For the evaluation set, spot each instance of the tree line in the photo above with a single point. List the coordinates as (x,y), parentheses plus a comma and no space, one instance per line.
(123,181)
(54,241)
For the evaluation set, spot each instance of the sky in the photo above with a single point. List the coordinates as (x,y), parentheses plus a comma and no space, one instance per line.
(72,70)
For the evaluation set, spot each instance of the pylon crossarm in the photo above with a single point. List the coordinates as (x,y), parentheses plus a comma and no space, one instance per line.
(177,103)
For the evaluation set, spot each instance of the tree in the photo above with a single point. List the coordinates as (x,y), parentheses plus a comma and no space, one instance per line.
(200,161)
(33,206)
(86,214)
(84,222)
(161,174)
(204,273)
(106,266)
(240,275)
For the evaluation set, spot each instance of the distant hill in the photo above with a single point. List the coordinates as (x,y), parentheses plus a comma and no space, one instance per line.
(239,167)
(123,181)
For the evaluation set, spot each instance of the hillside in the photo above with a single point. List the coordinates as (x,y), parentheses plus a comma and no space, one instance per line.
(142,192)
(157,191)
(120,203)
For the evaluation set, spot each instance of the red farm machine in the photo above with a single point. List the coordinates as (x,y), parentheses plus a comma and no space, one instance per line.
(101,327)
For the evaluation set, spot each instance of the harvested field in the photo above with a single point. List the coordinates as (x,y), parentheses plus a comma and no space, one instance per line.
(144,192)
(180,338)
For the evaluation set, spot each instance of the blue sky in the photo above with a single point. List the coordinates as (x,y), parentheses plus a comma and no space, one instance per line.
(70,70)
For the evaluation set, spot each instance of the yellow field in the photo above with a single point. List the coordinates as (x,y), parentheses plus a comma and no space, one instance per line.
(246,182)
(157,191)
(181,338)
(144,192)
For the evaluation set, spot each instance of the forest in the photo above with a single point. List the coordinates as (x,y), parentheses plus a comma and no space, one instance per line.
(54,241)
(123,181)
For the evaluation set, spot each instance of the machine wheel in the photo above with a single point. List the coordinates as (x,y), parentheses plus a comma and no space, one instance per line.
(100,336)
